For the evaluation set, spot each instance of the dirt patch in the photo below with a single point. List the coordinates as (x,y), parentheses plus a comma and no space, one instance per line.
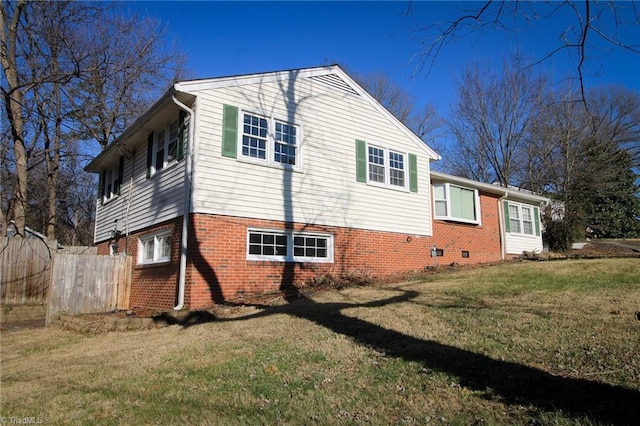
(609,248)
(22,325)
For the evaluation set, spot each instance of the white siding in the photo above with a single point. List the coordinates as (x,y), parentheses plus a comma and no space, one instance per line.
(325,191)
(146,202)
(518,243)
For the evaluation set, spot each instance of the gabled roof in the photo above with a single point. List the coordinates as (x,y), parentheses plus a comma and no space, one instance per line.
(330,75)
(509,193)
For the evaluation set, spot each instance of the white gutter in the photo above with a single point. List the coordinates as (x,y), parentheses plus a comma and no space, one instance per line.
(188,175)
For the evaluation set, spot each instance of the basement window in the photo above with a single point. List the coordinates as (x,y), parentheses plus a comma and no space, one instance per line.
(289,246)
(154,248)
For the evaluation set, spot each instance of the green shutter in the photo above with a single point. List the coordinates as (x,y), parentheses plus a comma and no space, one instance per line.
(361,161)
(149,154)
(507,220)
(101,179)
(118,183)
(182,136)
(536,220)
(229,131)
(413,173)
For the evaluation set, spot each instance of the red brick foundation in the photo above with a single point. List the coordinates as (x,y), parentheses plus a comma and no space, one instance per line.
(482,242)
(218,269)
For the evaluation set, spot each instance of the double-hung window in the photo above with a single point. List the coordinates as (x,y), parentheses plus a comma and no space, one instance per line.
(260,139)
(381,166)
(456,203)
(111,181)
(154,248)
(165,146)
(288,246)
(386,167)
(269,140)
(522,219)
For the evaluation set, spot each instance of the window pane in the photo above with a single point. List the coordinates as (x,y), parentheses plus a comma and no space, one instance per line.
(527,227)
(439,192)
(376,173)
(396,169)
(166,247)
(376,164)
(515,225)
(455,203)
(254,138)
(267,244)
(441,208)
(467,204)
(396,177)
(174,132)
(514,211)
(148,249)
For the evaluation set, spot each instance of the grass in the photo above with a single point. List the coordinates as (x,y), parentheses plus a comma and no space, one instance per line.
(524,343)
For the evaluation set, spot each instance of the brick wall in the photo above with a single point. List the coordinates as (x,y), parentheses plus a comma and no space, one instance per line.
(481,241)
(218,268)
(152,286)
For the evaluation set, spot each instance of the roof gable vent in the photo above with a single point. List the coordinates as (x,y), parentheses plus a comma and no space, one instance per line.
(334,81)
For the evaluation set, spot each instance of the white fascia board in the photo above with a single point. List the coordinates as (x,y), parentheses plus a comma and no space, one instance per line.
(245,79)
(385,112)
(509,193)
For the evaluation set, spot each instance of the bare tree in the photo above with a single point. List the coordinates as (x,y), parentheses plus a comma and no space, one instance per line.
(12,93)
(493,122)
(74,71)
(128,63)
(587,30)
(424,122)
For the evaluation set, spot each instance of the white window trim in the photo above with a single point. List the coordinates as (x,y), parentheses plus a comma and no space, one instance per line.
(448,216)
(271,141)
(534,219)
(387,168)
(157,248)
(112,194)
(167,162)
(290,253)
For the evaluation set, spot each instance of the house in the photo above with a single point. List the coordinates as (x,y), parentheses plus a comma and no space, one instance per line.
(244,184)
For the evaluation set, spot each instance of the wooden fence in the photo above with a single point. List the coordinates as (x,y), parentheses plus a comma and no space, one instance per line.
(89,284)
(25,270)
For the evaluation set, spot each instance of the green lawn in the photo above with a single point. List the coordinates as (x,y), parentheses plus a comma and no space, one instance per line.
(521,343)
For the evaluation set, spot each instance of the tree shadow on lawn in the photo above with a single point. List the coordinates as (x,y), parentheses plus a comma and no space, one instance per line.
(510,382)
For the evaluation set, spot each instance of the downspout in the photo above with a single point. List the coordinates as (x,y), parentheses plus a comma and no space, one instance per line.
(188,175)
(503,226)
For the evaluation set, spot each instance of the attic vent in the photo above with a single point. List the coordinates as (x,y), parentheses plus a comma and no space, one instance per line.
(334,81)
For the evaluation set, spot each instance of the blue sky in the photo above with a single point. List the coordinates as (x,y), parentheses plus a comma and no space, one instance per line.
(229,38)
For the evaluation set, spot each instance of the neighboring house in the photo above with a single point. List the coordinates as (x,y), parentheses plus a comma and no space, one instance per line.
(237,185)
